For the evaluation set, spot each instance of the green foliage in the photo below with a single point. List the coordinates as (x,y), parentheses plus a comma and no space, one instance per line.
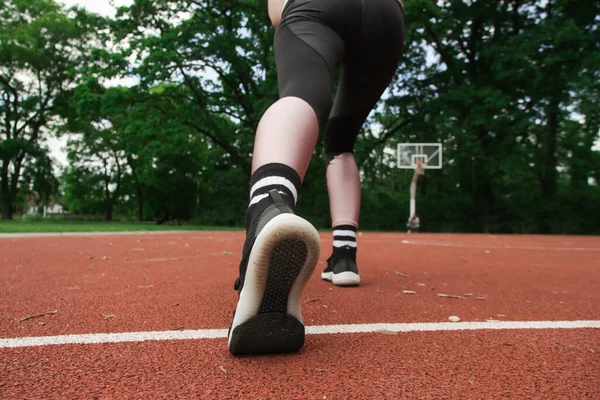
(511,89)
(43,52)
(499,95)
(90,224)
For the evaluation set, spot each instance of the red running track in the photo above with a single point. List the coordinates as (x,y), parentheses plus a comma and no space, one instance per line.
(132,283)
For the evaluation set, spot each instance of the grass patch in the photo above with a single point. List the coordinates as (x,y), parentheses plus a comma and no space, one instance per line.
(52,225)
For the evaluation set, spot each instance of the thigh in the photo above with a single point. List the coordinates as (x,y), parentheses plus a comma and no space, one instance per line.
(307,54)
(370,66)
(368,69)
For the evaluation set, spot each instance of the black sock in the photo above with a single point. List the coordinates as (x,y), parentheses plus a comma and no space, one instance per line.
(268,177)
(344,242)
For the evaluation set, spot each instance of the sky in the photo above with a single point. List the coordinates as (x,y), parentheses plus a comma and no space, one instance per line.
(102,7)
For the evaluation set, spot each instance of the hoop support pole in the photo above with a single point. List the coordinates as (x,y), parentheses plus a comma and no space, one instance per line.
(413,191)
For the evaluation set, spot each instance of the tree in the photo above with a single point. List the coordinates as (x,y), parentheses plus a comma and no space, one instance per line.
(43,52)
(38,178)
(509,87)
(96,157)
(498,92)
(219,51)
(145,153)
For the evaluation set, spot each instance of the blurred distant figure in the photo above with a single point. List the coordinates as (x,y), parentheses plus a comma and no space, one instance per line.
(413,224)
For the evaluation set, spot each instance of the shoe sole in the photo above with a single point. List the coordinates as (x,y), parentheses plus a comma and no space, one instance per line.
(346,278)
(268,316)
(327,276)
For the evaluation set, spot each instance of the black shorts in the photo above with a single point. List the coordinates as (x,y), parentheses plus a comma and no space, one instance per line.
(317,37)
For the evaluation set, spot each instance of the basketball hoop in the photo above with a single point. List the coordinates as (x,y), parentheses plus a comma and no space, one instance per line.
(418,157)
(428,154)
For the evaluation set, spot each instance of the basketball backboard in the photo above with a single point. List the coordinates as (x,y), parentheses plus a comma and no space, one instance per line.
(429,155)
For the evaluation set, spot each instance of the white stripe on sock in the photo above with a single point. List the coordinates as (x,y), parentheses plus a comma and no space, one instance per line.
(275,180)
(340,232)
(342,243)
(257,199)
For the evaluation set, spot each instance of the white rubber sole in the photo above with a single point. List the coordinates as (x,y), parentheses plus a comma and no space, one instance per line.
(342,279)
(280,228)
(346,278)
(327,276)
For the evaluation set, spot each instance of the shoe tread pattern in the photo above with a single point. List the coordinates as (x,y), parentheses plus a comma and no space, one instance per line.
(272,330)
(286,261)
(267,334)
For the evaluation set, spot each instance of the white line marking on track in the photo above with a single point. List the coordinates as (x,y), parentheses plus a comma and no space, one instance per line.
(95,338)
(494,246)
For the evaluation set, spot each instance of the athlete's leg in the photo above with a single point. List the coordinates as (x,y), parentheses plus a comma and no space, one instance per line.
(367,72)
(282,249)
(287,134)
(289,130)
(343,186)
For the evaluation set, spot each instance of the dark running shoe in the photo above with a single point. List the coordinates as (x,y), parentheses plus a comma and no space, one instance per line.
(341,272)
(279,256)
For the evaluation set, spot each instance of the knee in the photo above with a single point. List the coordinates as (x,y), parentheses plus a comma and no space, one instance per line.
(319,100)
(340,137)
(341,150)
(341,158)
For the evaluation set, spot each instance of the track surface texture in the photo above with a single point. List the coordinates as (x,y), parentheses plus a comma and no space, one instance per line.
(98,284)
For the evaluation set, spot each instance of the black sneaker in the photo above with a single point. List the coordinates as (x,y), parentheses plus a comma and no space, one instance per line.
(341,272)
(279,256)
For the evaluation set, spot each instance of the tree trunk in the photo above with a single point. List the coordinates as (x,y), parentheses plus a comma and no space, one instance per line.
(549,176)
(5,193)
(108,201)
(108,212)
(139,194)
(483,192)
(483,196)
(6,207)
(140,204)
(578,172)
(13,188)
